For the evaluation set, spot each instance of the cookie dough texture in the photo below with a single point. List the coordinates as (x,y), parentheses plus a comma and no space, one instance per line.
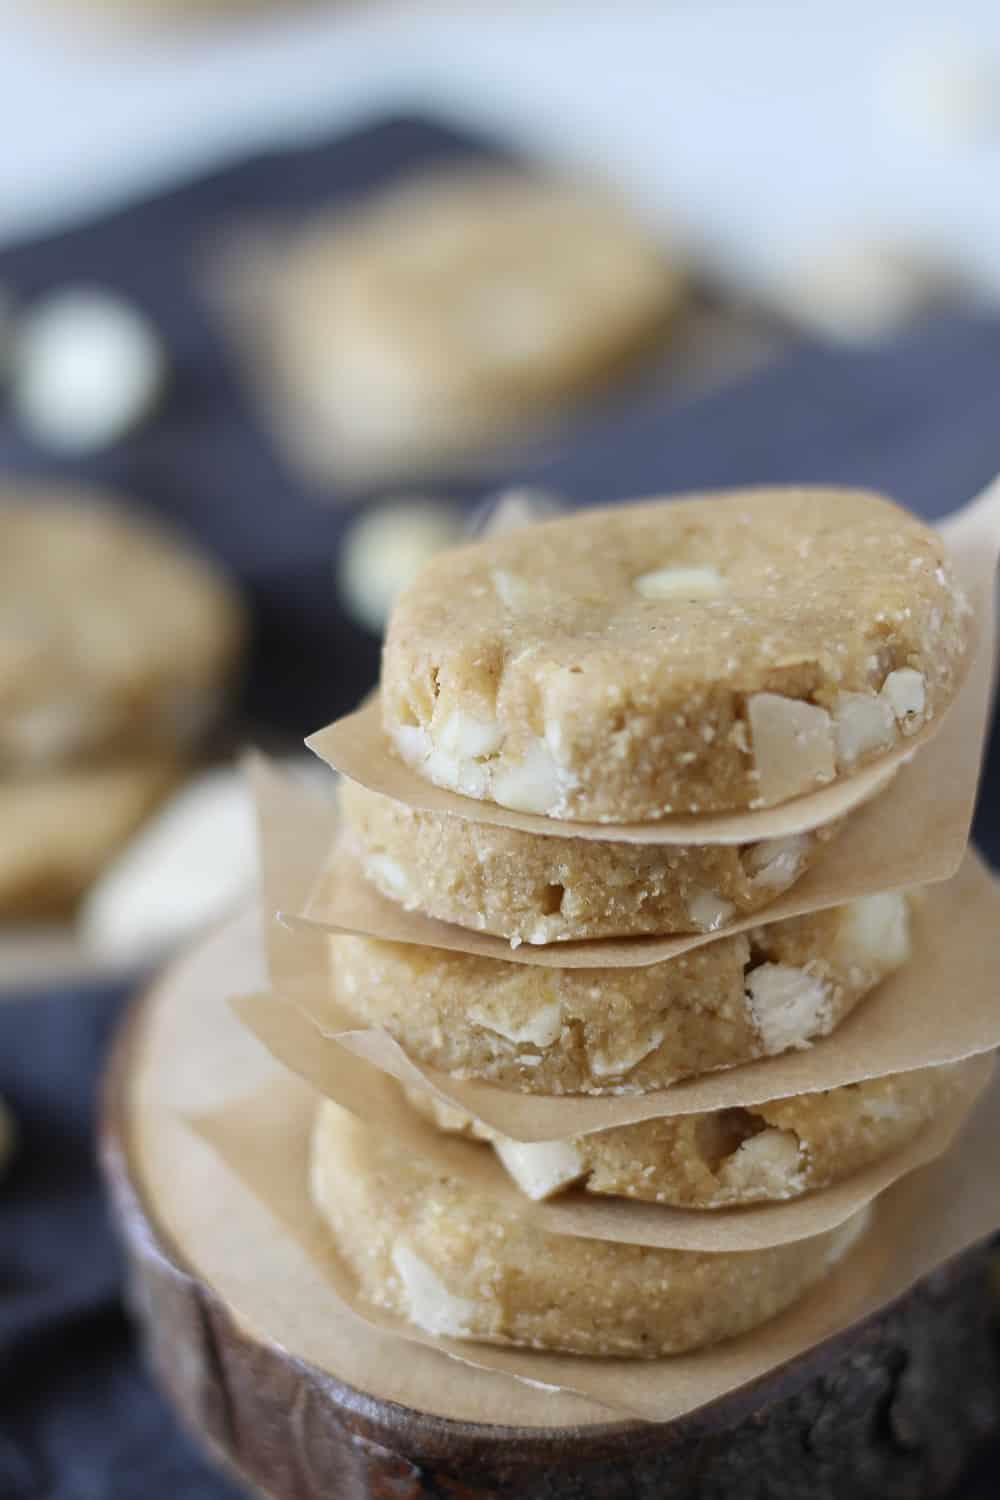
(709,654)
(113,638)
(727,1158)
(441,312)
(615,1030)
(445,1256)
(60,828)
(531,888)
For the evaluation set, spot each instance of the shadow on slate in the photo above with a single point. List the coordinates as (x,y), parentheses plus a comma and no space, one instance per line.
(79,1419)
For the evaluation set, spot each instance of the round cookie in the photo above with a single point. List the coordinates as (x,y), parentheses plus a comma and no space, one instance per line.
(730,1157)
(441,312)
(450,1259)
(60,829)
(530,888)
(702,655)
(113,638)
(623,1030)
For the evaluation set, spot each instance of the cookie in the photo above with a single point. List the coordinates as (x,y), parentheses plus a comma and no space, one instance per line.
(448,1258)
(445,310)
(713,654)
(530,888)
(61,827)
(729,1157)
(624,1030)
(113,637)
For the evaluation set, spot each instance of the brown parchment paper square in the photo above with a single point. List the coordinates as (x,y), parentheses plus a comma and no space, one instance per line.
(378,1099)
(920,1222)
(356,746)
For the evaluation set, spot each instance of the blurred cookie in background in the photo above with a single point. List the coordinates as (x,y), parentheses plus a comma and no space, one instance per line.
(119,651)
(438,316)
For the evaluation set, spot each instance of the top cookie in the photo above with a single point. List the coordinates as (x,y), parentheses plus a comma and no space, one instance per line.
(112,636)
(438,313)
(699,655)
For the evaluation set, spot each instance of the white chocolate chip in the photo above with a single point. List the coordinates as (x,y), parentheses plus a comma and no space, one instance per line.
(387,875)
(469,777)
(906,695)
(540,1168)
(88,367)
(792,746)
(681,583)
(864,723)
(787,1006)
(515,593)
(603,1066)
(775,863)
(431,1306)
(767,1164)
(465,734)
(875,931)
(708,911)
(535,786)
(384,549)
(541,1029)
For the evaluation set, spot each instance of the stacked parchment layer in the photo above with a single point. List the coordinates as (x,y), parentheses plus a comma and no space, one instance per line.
(627,703)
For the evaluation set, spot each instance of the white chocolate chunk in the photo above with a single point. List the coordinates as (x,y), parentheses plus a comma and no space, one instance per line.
(787,1006)
(384,549)
(681,583)
(541,1029)
(540,1168)
(413,743)
(864,724)
(906,696)
(470,777)
(793,746)
(604,1066)
(515,593)
(431,1306)
(467,735)
(535,786)
(875,931)
(388,875)
(775,863)
(88,366)
(767,1164)
(708,911)
(186,867)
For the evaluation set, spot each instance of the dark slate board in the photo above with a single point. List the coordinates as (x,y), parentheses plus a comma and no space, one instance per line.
(79,1419)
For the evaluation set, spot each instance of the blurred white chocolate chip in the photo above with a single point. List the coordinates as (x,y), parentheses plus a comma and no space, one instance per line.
(787,1005)
(681,583)
(188,866)
(540,1168)
(87,368)
(429,1303)
(385,548)
(858,293)
(793,746)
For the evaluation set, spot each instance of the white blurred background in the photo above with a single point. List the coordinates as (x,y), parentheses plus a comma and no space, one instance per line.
(763,131)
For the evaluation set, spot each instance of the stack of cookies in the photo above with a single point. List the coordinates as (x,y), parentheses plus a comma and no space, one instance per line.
(584,684)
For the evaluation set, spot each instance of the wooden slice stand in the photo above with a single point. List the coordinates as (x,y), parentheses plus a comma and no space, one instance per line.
(277,1389)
